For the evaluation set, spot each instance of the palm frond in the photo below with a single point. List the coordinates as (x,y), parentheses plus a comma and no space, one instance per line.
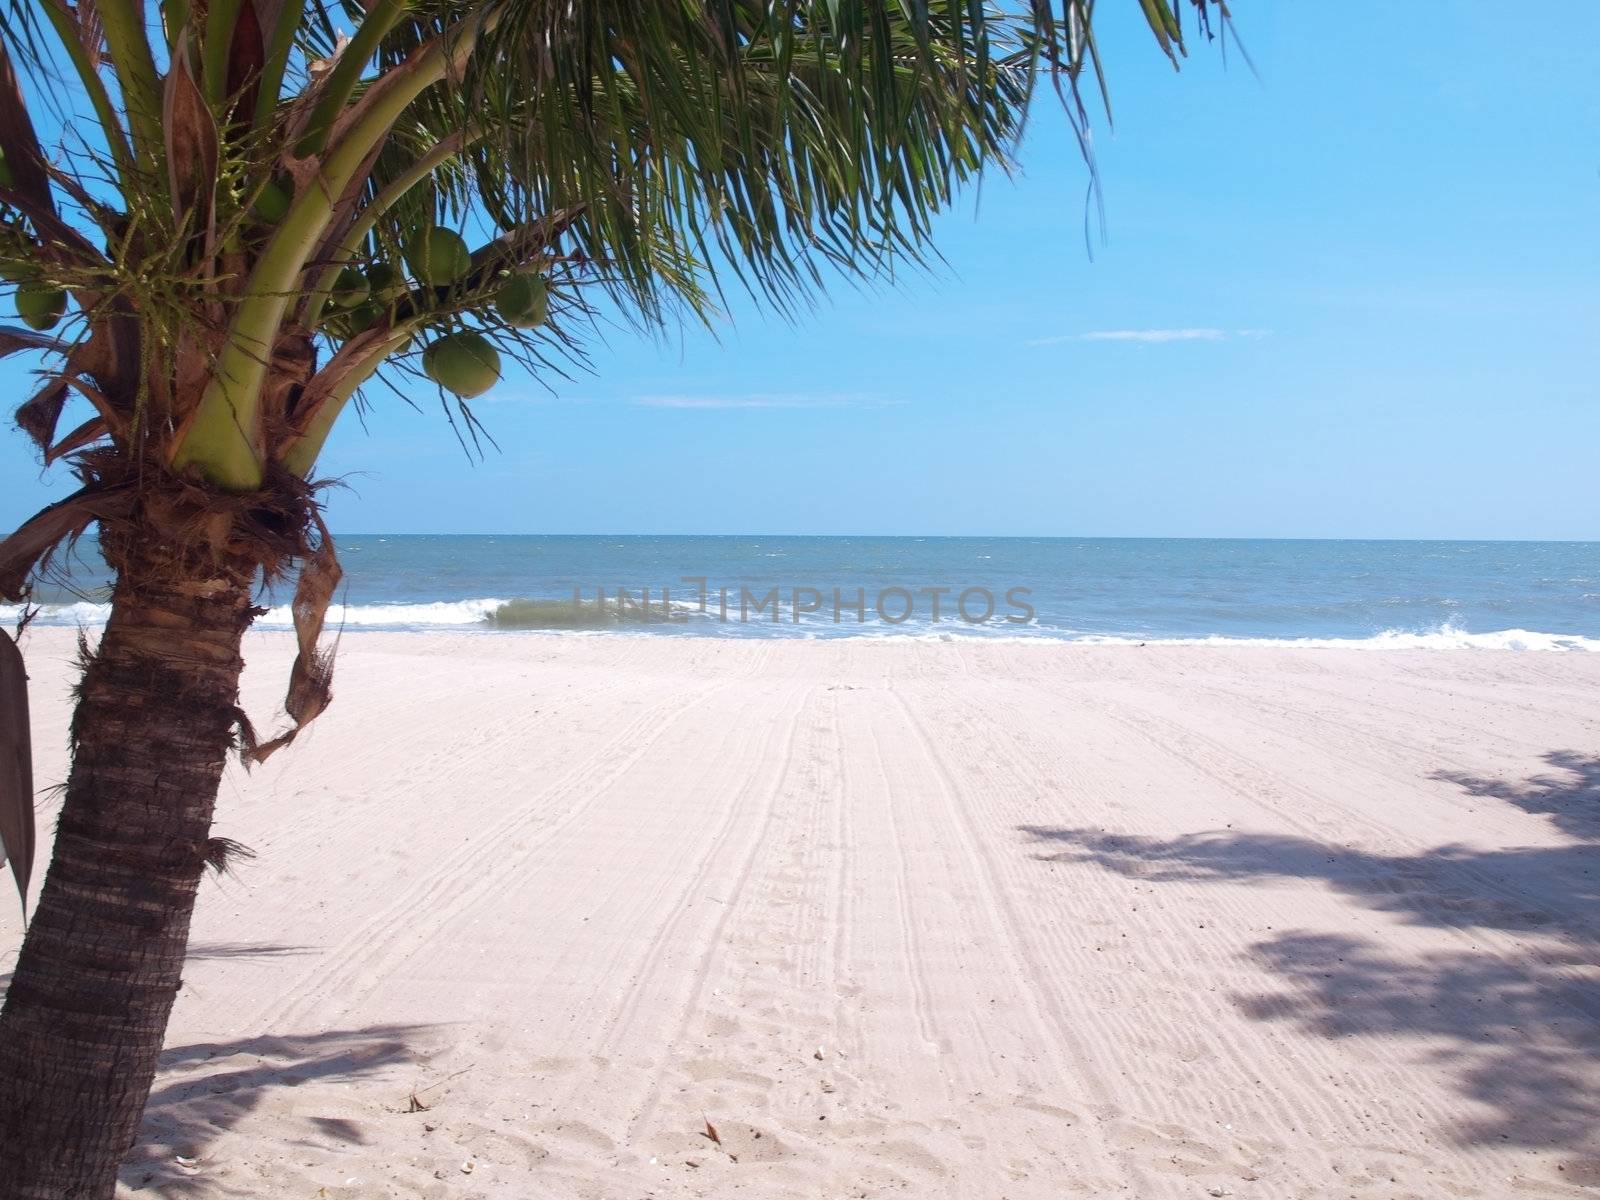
(659,153)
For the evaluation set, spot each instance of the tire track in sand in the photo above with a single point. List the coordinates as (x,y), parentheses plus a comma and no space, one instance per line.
(434,898)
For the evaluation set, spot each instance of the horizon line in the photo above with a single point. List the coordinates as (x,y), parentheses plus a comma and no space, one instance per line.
(1014,537)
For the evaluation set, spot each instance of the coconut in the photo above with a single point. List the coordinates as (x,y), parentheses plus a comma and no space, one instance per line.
(438,256)
(40,305)
(384,282)
(358,320)
(350,288)
(464,363)
(523,301)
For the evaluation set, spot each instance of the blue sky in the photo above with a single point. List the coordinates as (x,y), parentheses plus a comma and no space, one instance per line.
(1355,298)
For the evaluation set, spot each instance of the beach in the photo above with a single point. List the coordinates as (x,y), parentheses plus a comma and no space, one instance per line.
(622,916)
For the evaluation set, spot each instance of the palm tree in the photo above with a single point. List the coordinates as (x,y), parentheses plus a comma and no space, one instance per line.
(266,215)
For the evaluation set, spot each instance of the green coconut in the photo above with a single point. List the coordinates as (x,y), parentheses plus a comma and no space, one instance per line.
(438,256)
(523,301)
(384,282)
(464,363)
(271,203)
(350,288)
(346,325)
(40,305)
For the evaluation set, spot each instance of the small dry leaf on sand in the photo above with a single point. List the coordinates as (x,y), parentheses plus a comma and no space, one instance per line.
(711,1133)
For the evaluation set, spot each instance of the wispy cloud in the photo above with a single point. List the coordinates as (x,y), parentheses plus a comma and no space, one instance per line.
(1150,336)
(761,400)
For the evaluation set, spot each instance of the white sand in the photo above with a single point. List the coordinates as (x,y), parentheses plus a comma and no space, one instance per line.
(932,919)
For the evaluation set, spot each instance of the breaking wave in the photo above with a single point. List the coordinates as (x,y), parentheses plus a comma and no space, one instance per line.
(492,614)
(1443,638)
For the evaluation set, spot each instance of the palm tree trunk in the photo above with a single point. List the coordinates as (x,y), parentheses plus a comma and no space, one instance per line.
(102,962)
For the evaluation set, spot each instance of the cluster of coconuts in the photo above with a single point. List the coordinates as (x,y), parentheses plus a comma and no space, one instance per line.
(465,363)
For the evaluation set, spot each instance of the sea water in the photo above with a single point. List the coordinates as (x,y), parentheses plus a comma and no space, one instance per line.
(1511,595)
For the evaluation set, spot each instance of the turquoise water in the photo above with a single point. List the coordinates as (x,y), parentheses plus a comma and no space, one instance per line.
(1543,595)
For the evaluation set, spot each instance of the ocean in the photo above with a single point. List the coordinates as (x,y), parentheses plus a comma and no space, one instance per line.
(1507,595)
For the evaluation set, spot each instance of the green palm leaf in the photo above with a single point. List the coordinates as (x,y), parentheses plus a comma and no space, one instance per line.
(649,154)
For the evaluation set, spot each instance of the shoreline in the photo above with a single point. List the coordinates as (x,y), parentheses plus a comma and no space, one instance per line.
(954,918)
(1515,640)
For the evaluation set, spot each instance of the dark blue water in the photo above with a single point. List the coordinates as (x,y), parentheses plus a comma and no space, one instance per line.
(1529,594)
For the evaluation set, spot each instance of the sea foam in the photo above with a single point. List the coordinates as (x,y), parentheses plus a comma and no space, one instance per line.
(492,614)
(1443,638)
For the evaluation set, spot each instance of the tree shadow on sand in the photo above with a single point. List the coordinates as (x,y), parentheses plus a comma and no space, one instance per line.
(1571,799)
(1520,1032)
(216,950)
(207,1088)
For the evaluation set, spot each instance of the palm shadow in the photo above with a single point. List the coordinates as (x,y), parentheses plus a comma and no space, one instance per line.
(1571,801)
(217,950)
(207,1088)
(1520,1033)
